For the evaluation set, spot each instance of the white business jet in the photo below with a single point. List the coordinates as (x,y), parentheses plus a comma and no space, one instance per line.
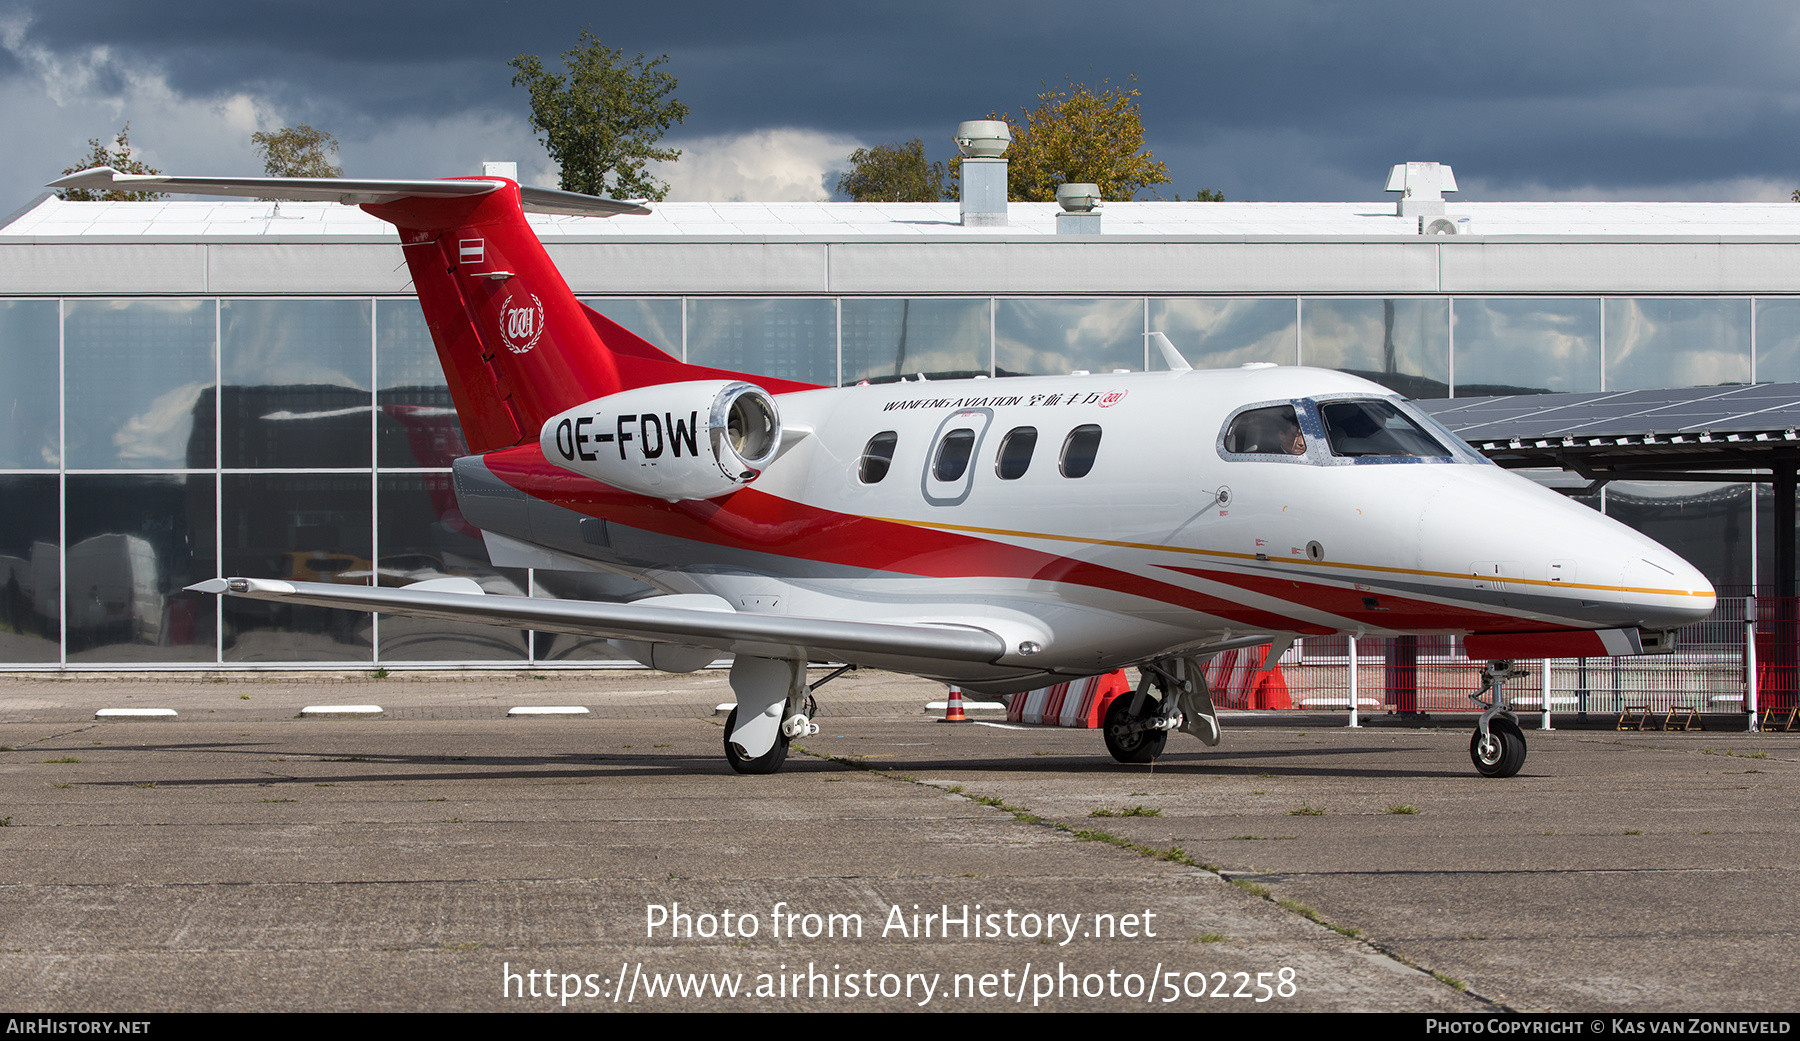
(996,534)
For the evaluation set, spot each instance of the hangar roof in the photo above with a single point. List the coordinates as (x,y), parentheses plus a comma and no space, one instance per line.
(1690,434)
(54,220)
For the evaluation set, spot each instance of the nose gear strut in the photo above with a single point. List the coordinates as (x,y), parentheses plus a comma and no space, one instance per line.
(1498,747)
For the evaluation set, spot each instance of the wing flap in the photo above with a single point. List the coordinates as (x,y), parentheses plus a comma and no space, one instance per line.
(735,632)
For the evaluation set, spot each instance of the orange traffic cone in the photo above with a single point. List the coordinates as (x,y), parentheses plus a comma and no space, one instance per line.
(953,709)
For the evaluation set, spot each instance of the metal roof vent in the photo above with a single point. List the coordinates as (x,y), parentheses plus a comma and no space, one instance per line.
(1421,187)
(1079,204)
(983,144)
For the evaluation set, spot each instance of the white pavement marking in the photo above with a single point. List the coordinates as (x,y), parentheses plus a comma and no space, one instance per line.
(113,712)
(341,710)
(547,710)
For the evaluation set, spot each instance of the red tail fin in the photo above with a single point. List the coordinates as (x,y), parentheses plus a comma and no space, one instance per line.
(513,341)
(515,344)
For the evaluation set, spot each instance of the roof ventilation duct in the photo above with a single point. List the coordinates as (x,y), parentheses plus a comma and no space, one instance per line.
(1079,204)
(983,144)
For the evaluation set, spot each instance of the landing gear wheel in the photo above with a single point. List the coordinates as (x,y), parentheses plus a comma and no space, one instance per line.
(767,763)
(1502,753)
(1142,746)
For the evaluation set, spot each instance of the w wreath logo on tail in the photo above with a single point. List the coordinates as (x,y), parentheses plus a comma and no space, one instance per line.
(521,324)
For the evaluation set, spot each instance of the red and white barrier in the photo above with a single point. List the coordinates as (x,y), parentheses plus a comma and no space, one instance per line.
(1078,703)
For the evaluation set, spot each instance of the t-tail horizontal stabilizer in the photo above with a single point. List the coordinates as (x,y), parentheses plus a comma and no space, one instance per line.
(347,190)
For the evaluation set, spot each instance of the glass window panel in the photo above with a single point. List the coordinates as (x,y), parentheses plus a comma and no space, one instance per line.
(139,377)
(1403,345)
(30,570)
(887,339)
(1227,332)
(791,339)
(1053,337)
(1777,341)
(423,535)
(417,424)
(1707,524)
(135,543)
(655,320)
(296,375)
(1653,343)
(1527,346)
(28,393)
(307,527)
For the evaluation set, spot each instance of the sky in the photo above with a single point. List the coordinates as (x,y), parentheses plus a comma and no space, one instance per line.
(1289,101)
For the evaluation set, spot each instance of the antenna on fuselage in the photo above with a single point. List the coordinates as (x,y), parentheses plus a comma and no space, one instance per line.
(1171,357)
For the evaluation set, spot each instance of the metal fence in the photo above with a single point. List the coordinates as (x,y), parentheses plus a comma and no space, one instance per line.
(1707,672)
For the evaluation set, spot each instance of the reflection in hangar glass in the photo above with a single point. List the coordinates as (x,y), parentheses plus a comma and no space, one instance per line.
(1079,450)
(953,454)
(1015,453)
(295,379)
(877,456)
(135,542)
(1266,431)
(1375,428)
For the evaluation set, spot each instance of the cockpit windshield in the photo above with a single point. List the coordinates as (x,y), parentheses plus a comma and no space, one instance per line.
(1370,427)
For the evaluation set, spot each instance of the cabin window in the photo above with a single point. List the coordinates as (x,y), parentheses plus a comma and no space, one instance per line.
(1375,428)
(1015,453)
(953,454)
(877,456)
(1266,431)
(1079,449)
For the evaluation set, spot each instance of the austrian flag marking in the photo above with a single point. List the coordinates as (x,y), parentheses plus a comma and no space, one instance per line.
(521,322)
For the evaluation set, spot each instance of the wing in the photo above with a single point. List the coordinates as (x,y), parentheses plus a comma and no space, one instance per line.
(730,631)
(347,190)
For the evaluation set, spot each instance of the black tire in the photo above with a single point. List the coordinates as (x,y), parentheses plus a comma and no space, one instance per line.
(767,763)
(1503,753)
(1143,746)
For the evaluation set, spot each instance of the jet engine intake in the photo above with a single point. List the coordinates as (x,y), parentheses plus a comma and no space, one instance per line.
(676,441)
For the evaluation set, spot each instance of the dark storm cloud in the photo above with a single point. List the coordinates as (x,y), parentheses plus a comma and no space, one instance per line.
(1282,100)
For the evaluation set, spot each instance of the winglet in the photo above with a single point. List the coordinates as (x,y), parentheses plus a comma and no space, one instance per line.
(1171,357)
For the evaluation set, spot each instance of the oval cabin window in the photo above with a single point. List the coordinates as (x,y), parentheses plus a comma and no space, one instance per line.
(1079,450)
(877,456)
(1015,453)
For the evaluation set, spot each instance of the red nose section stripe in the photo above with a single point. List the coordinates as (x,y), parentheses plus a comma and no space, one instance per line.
(1561,644)
(1370,607)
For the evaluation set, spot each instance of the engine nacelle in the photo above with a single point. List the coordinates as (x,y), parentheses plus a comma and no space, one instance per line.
(675,441)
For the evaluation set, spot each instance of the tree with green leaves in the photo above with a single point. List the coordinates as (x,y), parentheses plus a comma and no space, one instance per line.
(297,152)
(1079,136)
(893,173)
(120,158)
(601,120)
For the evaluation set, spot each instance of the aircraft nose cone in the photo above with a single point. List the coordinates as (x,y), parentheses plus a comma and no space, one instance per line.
(1664,590)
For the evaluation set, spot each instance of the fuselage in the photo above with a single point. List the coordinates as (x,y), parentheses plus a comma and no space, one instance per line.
(1097,520)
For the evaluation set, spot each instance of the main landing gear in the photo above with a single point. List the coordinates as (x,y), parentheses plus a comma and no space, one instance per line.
(775,705)
(1498,745)
(1138,724)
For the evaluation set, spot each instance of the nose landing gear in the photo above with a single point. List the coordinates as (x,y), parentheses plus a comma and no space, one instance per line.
(1498,745)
